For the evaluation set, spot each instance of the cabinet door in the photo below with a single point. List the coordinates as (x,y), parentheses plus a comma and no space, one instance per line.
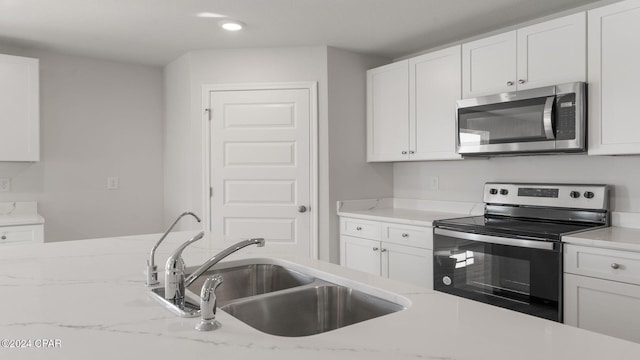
(603,306)
(408,264)
(360,254)
(614,76)
(553,52)
(21,234)
(19,109)
(435,85)
(388,112)
(489,65)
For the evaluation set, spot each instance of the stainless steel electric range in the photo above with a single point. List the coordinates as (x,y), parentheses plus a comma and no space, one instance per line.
(512,255)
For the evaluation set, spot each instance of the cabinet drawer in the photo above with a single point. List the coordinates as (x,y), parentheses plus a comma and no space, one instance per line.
(20,234)
(608,264)
(360,228)
(409,235)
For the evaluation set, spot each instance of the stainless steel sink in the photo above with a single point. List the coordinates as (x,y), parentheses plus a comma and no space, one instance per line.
(286,299)
(251,280)
(309,310)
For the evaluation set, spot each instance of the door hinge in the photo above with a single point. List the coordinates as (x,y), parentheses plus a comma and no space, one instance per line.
(208,111)
(210,192)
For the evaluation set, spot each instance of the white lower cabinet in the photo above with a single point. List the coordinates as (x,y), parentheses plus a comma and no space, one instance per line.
(602,291)
(21,234)
(399,252)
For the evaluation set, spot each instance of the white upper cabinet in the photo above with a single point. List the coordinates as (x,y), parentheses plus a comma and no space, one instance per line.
(435,86)
(411,108)
(553,52)
(549,53)
(388,112)
(614,75)
(489,65)
(19,109)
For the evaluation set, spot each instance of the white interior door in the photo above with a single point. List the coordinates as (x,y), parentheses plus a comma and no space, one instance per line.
(261,167)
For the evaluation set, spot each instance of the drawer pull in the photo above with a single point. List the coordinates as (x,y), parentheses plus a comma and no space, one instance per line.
(359,228)
(405,235)
(375,249)
(383,250)
(4,237)
(615,266)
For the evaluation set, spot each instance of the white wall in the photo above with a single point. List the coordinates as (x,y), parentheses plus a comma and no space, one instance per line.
(183,160)
(463,180)
(98,119)
(350,176)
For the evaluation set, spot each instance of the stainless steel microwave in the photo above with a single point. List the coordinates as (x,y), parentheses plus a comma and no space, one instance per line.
(543,120)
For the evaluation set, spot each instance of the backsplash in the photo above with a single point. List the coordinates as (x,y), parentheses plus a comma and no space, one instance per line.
(463,180)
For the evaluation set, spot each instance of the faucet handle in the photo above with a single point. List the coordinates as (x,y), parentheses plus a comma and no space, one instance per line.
(208,303)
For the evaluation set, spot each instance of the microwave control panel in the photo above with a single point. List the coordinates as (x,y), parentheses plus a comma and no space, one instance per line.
(565,116)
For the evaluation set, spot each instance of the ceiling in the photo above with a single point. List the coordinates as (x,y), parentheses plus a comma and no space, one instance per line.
(157,31)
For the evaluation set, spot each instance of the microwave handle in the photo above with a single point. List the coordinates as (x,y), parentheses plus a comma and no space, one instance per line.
(547,117)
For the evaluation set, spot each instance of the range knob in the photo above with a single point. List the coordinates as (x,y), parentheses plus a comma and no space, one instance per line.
(504,192)
(589,194)
(493,191)
(574,194)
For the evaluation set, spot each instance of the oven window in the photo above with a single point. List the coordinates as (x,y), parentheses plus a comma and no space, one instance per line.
(516,121)
(521,279)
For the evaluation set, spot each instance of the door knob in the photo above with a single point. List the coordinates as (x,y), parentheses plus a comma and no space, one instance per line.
(302,209)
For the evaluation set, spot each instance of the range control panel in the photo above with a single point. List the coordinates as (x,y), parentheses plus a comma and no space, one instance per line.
(579,196)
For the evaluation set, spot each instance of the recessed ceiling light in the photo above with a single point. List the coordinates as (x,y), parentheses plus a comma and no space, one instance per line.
(231,25)
(209,15)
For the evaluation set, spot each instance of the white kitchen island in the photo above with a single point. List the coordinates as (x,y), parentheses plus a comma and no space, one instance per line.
(88,300)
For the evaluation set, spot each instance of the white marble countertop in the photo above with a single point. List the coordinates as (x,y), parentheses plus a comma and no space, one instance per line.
(615,237)
(624,234)
(90,297)
(407,211)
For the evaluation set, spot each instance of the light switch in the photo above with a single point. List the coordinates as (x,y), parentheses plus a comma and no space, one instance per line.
(113,183)
(5,185)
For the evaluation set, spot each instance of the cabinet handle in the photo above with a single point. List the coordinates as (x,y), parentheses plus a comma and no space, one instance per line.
(375,249)
(615,266)
(405,235)
(404,153)
(412,152)
(359,228)
(509,83)
(383,250)
(4,237)
(522,81)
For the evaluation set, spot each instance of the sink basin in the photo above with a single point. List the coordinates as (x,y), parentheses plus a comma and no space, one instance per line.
(251,280)
(309,310)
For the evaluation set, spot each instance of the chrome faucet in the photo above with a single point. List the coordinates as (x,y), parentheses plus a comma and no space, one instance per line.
(174,283)
(152,269)
(208,303)
(221,255)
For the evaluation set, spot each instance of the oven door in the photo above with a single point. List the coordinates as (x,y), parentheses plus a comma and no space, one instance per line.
(521,275)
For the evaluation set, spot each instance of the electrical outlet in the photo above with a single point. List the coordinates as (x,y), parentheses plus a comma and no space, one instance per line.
(113,183)
(5,185)
(433,183)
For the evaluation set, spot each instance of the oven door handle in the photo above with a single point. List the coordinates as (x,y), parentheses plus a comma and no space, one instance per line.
(547,117)
(532,244)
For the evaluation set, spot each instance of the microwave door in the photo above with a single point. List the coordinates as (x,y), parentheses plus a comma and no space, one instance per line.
(514,126)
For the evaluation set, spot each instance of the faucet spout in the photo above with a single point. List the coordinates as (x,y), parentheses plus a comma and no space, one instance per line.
(221,255)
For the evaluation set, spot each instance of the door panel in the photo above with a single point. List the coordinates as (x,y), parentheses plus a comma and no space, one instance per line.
(260,158)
